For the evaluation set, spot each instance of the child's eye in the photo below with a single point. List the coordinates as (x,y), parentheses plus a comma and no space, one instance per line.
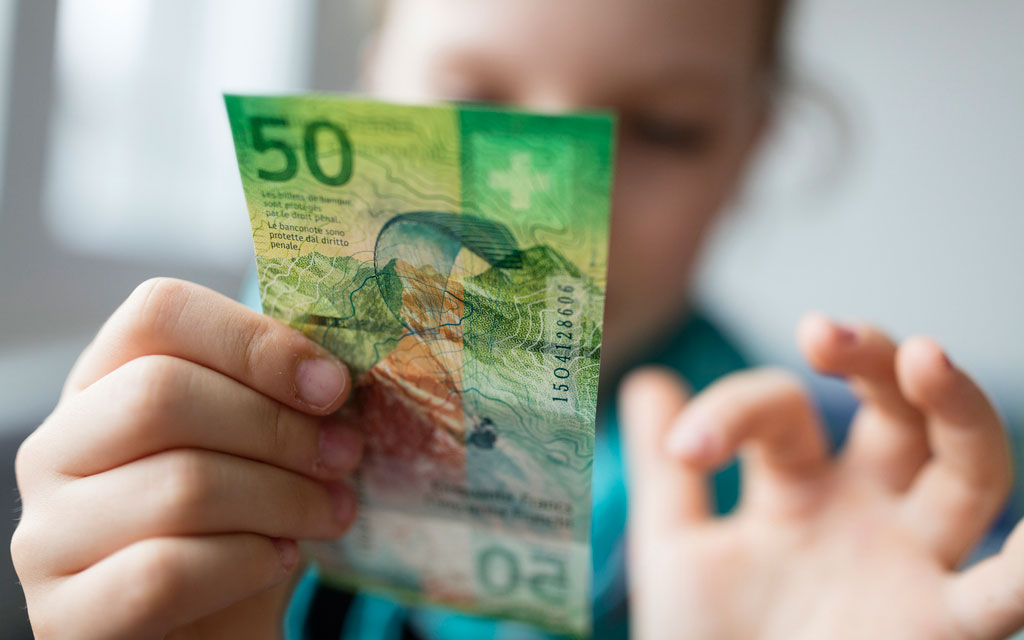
(679,136)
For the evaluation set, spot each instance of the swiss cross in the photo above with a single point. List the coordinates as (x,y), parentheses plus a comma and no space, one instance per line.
(520,181)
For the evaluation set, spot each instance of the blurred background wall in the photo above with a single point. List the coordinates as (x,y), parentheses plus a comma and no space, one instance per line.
(891,190)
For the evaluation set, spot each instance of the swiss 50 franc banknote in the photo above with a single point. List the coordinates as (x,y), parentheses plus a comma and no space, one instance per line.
(455,258)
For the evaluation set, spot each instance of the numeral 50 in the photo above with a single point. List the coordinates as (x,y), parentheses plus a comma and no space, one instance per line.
(262,142)
(501,574)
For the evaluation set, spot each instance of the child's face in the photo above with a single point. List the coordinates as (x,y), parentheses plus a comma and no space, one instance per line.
(685,76)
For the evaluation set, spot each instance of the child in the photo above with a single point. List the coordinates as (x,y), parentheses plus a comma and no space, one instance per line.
(193,443)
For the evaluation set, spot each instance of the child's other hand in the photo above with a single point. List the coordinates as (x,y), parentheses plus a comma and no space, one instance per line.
(866,545)
(164,494)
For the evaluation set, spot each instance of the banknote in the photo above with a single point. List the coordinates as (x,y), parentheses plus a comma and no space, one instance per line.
(454,257)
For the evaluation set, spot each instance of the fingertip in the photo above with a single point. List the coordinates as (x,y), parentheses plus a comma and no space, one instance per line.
(812,337)
(650,399)
(288,553)
(925,349)
(322,383)
(824,342)
(663,492)
(930,381)
(340,448)
(693,442)
(344,502)
(649,381)
(810,325)
(923,368)
(652,390)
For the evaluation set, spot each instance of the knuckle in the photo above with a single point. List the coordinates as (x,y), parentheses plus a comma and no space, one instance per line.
(251,341)
(784,381)
(973,499)
(22,549)
(289,437)
(278,436)
(157,303)
(787,388)
(42,628)
(186,487)
(1015,596)
(33,459)
(313,507)
(984,477)
(308,508)
(1002,477)
(25,459)
(996,481)
(278,427)
(153,386)
(158,579)
(32,555)
(47,620)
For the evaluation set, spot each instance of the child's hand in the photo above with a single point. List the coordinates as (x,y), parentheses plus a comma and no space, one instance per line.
(166,490)
(863,546)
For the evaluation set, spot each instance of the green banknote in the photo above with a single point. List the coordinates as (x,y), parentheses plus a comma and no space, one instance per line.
(455,257)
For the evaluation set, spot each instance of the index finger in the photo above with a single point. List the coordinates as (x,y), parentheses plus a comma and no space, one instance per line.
(966,482)
(171,317)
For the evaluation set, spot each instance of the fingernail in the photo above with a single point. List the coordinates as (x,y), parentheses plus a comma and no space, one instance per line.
(320,381)
(845,334)
(340,447)
(288,550)
(691,442)
(344,503)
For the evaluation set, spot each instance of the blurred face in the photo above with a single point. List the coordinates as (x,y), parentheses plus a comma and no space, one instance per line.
(685,76)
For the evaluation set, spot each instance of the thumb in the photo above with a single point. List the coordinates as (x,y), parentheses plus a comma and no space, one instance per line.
(664,493)
(988,599)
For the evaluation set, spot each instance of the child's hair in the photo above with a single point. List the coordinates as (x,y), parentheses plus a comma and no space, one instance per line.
(772,35)
(773,38)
